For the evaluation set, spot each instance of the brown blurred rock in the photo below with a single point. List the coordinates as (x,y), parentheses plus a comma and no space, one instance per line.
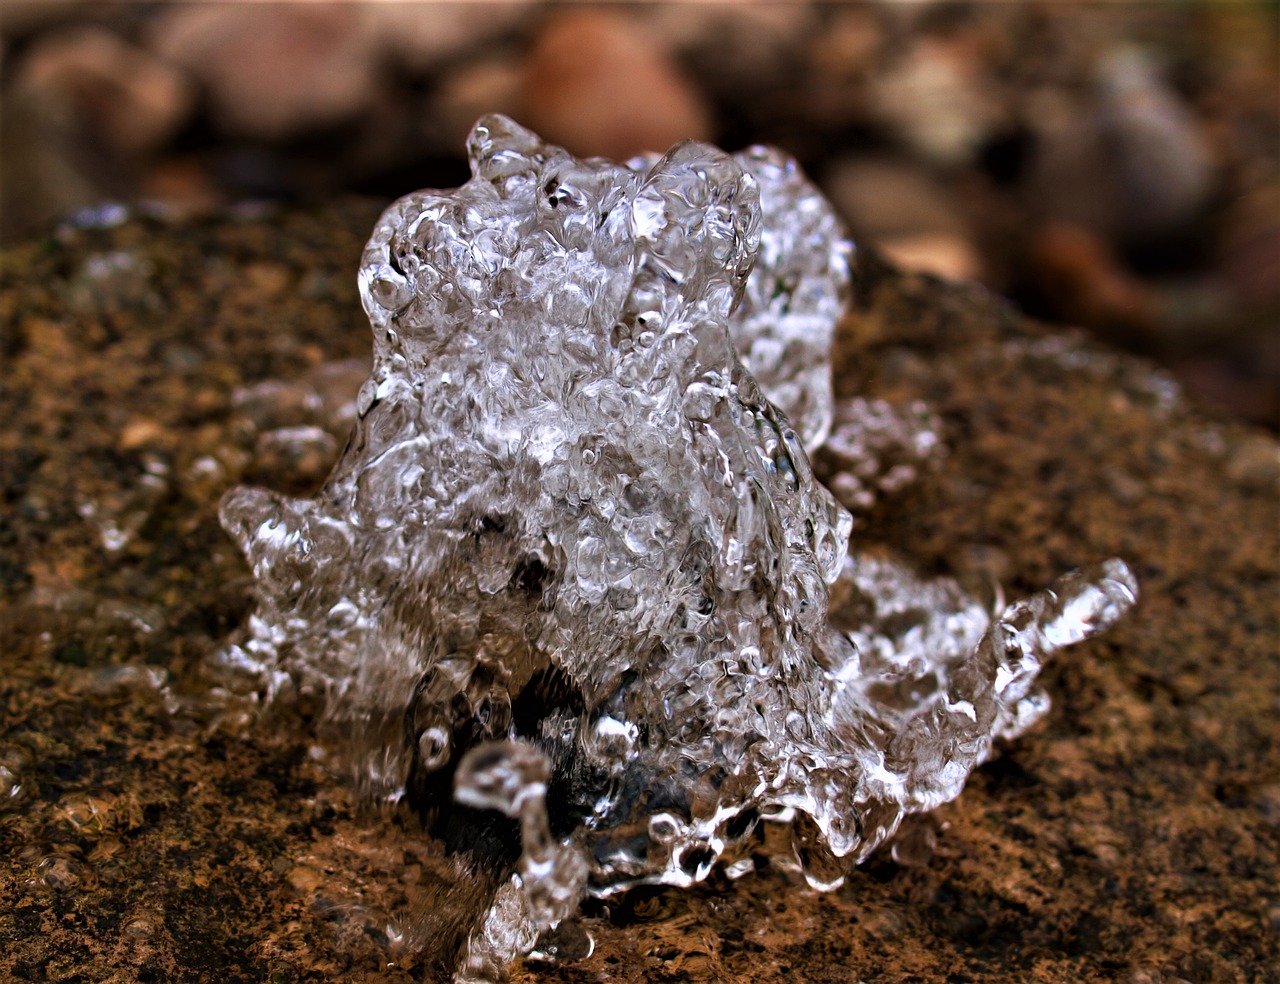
(148,835)
(1125,160)
(419,36)
(22,16)
(130,100)
(843,56)
(942,254)
(183,184)
(938,98)
(1081,274)
(1249,251)
(493,85)
(273,70)
(896,205)
(599,83)
(739,45)
(881,196)
(46,169)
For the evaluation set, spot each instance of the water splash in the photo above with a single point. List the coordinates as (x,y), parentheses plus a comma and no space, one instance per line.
(572,589)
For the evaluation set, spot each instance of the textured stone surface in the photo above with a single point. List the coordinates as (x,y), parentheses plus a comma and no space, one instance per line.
(1135,831)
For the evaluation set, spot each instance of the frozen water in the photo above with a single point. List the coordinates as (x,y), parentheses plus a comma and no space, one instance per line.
(572,589)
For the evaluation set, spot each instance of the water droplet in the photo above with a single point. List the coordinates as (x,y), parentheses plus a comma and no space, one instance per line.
(914,845)
(60,873)
(822,869)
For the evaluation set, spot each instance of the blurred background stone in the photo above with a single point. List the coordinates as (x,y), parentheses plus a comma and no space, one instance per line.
(599,82)
(271,71)
(1111,165)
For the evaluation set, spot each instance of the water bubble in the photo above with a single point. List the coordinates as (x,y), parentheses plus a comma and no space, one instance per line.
(567,943)
(82,814)
(61,874)
(433,747)
(914,845)
(822,869)
(10,785)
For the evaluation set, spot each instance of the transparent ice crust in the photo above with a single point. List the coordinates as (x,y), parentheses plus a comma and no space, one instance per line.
(573,568)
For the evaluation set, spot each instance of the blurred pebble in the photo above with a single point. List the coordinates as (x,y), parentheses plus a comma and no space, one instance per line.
(112,282)
(48,165)
(419,36)
(939,253)
(884,197)
(295,454)
(1255,462)
(1126,160)
(132,101)
(600,84)
(1249,254)
(737,46)
(296,66)
(1081,274)
(1159,160)
(937,99)
(182,186)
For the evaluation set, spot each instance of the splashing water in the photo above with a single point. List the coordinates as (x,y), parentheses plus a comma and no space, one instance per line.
(573,590)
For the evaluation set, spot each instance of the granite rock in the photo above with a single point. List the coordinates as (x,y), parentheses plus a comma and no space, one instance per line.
(150,832)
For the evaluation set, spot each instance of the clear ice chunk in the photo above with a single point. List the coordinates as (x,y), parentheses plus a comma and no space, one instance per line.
(573,573)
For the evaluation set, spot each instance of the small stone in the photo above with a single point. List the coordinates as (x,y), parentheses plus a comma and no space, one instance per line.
(1158,159)
(1081,273)
(938,253)
(882,197)
(1255,462)
(1249,254)
(1124,160)
(599,83)
(129,99)
(143,432)
(936,97)
(295,66)
(420,36)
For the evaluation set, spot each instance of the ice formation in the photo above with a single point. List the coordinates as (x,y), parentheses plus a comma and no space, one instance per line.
(573,567)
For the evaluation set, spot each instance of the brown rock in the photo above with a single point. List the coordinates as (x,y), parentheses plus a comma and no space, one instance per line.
(882,196)
(599,83)
(937,98)
(1124,159)
(130,100)
(939,253)
(1132,832)
(1086,281)
(419,36)
(273,70)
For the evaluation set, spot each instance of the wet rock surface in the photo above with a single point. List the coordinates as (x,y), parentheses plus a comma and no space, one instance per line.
(147,833)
